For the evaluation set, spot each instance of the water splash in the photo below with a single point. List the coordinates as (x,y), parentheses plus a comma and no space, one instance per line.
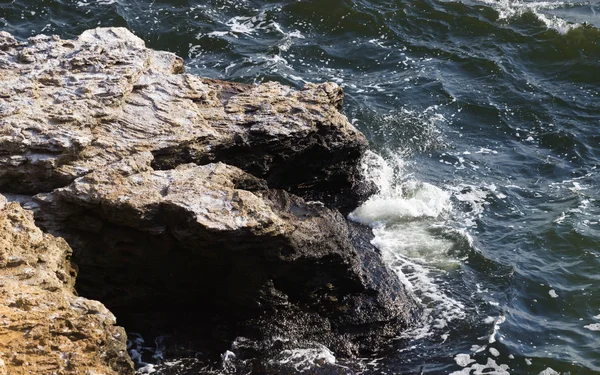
(409,218)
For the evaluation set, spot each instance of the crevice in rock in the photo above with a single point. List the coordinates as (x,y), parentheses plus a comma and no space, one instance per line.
(311,167)
(16,183)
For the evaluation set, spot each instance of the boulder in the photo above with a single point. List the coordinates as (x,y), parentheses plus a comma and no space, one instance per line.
(205,246)
(71,107)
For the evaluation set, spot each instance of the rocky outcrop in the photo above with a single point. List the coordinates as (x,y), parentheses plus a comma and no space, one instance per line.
(209,210)
(44,327)
(171,240)
(71,107)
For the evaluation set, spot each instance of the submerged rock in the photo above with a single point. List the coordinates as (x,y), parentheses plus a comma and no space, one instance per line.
(208,210)
(44,327)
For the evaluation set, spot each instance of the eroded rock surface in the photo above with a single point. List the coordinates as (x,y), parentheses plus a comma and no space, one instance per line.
(71,107)
(268,261)
(44,327)
(212,211)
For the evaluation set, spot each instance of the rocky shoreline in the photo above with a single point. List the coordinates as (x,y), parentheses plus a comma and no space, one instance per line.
(206,210)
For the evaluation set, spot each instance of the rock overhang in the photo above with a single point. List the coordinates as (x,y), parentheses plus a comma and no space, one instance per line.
(77,106)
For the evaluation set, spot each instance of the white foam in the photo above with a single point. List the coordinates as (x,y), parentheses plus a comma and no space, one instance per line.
(491,367)
(307,358)
(501,319)
(147,369)
(288,39)
(415,241)
(580,188)
(508,9)
(83,3)
(593,327)
(409,220)
(228,361)
(421,200)
(214,33)
(463,360)
(250,26)
(561,218)
(227,356)
(247,25)
(474,199)
(549,371)
(382,172)
(397,200)
(553,293)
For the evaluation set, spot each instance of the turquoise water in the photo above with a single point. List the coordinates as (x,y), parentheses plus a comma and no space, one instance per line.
(484,119)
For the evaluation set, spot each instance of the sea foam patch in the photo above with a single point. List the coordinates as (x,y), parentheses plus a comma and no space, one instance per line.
(514,8)
(409,218)
(491,367)
(593,327)
(304,359)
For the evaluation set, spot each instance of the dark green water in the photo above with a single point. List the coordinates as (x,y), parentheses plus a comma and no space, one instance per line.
(485,117)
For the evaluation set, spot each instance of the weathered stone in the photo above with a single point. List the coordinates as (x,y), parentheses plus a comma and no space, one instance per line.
(71,107)
(44,327)
(248,259)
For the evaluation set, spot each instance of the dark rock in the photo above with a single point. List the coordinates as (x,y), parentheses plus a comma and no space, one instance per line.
(192,248)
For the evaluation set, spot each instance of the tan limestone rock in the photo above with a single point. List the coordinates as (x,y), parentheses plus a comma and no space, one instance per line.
(44,327)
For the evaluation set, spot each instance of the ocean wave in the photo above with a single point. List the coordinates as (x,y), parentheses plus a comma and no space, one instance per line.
(510,9)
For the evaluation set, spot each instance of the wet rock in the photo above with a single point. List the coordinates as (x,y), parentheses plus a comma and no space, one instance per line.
(214,247)
(44,327)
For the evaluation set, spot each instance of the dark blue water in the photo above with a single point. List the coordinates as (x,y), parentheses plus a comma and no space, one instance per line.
(484,118)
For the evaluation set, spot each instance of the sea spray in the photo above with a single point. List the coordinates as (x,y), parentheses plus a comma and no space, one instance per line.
(406,216)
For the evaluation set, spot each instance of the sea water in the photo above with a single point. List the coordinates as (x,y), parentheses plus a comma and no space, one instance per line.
(484,123)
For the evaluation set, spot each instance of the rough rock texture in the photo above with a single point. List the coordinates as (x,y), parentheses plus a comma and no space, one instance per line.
(267,260)
(44,327)
(205,209)
(71,107)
